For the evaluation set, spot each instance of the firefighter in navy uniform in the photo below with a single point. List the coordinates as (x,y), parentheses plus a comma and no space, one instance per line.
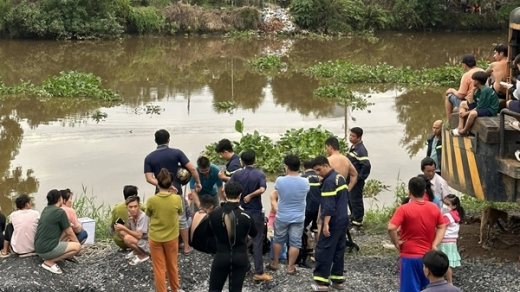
(358,155)
(330,247)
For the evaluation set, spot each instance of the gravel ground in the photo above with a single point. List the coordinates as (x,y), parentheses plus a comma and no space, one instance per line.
(102,268)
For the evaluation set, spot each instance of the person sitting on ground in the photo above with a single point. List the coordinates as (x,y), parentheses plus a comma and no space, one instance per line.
(483,103)
(120,211)
(199,238)
(211,184)
(134,232)
(435,266)
(19,234)
(455,97)
(231,227)
(51,227)
(80,233)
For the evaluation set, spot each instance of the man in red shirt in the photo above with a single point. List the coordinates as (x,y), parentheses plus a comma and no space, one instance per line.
(422,229)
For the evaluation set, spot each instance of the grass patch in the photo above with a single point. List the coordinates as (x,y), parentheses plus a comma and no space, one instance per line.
(86,206)
(377,217)
(473,206)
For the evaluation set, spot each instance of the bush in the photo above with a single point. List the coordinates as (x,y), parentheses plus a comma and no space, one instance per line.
(5,7)
(146,20)
(66,19)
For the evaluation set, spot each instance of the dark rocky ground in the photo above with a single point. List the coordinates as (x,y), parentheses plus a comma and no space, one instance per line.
(102,268)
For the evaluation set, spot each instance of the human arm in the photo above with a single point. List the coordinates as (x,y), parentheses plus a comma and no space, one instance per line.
(194,175)
(65,226)
(393,227)
(352,172)
(258,192)
(136,234)
(220,186)
(194,194)
(439,232)
(274,201)
(464,87)
(150,178)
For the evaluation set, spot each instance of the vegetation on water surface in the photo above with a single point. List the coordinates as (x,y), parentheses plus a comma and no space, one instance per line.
(306,143)
(66,84)
(267,62)
(346,72)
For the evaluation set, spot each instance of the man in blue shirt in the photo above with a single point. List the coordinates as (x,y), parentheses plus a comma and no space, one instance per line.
(290,214)
(211,184)
(330,248)
(225,150)
(171,158)
(253,184)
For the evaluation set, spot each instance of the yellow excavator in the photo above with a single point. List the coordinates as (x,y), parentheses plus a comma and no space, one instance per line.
(483,164)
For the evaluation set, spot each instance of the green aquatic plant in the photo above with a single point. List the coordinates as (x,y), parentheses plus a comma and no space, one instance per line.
(306,143)
(235,35)
(343,96)
(340,71)
(70,84)
(226,105)
(267,62)
(99,116)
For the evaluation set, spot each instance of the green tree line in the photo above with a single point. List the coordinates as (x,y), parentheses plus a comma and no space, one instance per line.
(67,19)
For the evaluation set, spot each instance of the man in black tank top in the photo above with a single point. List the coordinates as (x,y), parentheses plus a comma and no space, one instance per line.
(231,227)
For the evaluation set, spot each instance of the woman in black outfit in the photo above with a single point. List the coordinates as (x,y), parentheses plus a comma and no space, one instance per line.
(230,225)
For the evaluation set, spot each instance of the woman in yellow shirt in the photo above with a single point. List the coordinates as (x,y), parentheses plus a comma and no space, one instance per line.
(163,233)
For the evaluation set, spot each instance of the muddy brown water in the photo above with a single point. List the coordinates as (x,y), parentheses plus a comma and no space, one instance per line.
(56,144)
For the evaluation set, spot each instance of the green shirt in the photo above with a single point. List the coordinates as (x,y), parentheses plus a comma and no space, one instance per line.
(486,98)
(53,221)
(163,210)
(120,211)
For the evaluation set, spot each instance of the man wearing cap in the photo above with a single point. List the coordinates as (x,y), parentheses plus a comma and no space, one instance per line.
(171,158)
(455,97)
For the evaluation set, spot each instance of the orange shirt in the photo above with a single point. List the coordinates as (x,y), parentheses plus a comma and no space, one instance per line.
(466,83)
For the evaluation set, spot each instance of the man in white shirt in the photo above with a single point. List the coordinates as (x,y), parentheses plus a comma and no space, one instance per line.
(439,185)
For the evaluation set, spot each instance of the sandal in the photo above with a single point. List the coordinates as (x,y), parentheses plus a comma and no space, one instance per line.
(189,252)
(5,255)
(131,255)
(337,286)
(293,272)
(270,267)
(315,287)
(136,260)
(53,269)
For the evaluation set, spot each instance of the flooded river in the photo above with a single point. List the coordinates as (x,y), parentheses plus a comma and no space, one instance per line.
(56,144)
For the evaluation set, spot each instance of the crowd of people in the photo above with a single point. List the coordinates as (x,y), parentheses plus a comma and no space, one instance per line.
(309,218)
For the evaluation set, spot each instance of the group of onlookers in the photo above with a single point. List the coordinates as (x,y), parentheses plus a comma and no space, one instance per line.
(54,235)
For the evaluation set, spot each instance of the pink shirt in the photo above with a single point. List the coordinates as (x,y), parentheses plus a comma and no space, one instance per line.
(72,216)
(24,223)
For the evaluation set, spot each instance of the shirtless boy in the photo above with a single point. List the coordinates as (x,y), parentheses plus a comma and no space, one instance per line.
(498,71)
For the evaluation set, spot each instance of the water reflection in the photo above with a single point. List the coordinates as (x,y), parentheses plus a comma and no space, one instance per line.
(158,70)
(417,109)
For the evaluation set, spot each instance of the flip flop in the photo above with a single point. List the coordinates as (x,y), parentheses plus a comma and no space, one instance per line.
(26,255)
(337,286)
(294,272)
(188,253)
(317,288)
(129,256)
(137,260)
(270,267)
(5,255)
(53,269)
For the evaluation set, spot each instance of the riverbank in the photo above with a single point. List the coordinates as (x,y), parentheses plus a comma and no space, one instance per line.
(103,268)
(49,19)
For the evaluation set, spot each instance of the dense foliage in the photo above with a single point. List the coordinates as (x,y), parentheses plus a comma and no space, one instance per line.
(306,143)
(67,84)
(64,19)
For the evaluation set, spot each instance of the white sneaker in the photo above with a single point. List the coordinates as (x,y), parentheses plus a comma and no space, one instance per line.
(515,125)
(517,155)
(455,132)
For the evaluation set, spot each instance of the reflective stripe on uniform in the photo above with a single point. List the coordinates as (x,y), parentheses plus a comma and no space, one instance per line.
(333,193)
(321,279)
(438,147)
(332,277)
(357,157)
(314,184)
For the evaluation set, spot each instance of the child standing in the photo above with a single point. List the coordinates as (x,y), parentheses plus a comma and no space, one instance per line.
(452,215)
(483,103)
